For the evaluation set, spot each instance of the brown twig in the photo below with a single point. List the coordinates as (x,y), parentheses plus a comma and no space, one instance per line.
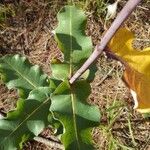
(49,142)
(123,15)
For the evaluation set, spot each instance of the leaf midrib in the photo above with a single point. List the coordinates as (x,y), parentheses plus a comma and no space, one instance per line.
(74,120)
(70,27)
(28,116)
(32,84)
(72,93)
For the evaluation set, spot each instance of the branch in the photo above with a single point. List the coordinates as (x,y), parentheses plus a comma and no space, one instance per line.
(122,16)
(50,143)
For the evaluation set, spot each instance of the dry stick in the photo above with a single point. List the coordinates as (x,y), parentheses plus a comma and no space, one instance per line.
(123,15)
(105,77)
(50,143)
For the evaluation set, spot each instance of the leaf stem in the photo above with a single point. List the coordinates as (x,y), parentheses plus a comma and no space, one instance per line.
(122,16)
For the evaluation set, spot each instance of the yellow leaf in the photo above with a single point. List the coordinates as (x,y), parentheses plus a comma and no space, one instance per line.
(137,64)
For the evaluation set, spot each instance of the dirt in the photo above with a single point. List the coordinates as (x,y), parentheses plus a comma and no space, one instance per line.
(29,33)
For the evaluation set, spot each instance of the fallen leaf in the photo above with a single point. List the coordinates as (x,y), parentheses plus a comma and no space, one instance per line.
(137,67)
(112,10)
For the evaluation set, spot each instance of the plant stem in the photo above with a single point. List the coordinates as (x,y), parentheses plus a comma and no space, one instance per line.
(131,132)
(122,16)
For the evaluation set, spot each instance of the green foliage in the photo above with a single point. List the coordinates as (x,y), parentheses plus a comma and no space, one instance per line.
(55,101)
(18,73)
(72,40)
(75,45)
(69,102)
(70,107)
(71,36)
(27,121)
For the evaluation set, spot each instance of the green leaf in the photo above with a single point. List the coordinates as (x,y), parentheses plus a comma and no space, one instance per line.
(27,121)
(72,41)
(18,73)
(60,71)
(68,103)
(54,83)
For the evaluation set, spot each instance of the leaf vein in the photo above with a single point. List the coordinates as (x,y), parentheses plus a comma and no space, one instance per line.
(34,85)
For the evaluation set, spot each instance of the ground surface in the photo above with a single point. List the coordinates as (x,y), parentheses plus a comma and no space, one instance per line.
(29,32)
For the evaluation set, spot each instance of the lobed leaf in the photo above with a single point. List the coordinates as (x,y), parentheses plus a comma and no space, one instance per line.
(18,73)
(68,103)
(27,121)
(137,64)
(72,41)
